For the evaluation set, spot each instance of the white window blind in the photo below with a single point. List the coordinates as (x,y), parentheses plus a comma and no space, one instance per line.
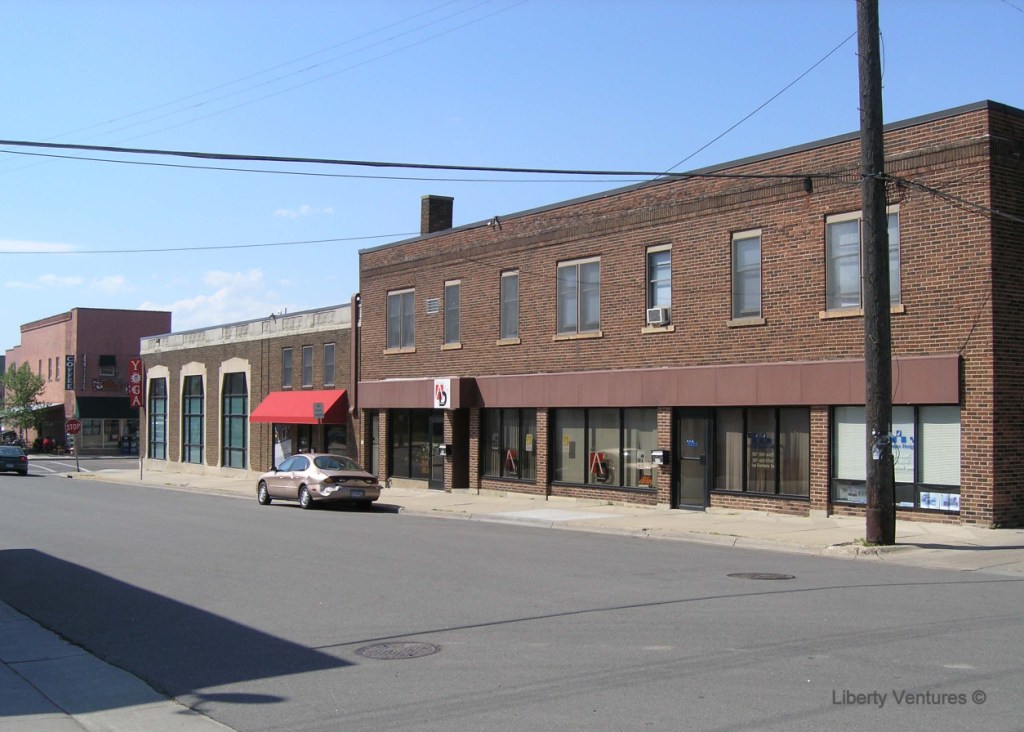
(850,447)
(940,445)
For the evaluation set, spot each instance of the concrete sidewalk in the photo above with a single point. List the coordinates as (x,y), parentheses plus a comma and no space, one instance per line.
(48,684)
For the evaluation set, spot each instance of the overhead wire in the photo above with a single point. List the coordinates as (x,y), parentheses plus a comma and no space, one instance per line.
(765,104)
(210,248)
(390,164)
(268,70)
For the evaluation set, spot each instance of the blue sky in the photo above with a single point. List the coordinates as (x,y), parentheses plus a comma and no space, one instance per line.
(568,84)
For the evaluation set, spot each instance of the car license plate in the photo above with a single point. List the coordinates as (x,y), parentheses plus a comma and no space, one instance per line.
(12,466)
(357,493)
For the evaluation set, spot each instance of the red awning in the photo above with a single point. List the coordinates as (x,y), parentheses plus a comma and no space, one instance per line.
(296,407)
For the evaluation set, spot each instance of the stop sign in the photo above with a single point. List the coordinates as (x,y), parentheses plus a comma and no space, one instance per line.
(73,426)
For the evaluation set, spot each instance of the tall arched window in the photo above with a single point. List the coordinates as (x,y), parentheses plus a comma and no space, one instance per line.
(192,420)
(235,427)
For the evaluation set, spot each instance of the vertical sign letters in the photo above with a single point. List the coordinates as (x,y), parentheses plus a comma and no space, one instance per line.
(135,382)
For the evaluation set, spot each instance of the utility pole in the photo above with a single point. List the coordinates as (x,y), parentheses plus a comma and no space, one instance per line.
(881,487)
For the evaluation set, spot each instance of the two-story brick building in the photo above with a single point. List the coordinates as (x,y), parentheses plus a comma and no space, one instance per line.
(243,395)
(82,356)
(698,341)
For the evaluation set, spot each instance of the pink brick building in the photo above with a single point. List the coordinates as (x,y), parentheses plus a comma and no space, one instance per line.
(82,355)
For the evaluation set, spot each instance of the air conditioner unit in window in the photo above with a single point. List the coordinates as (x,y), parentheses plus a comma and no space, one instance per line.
(658,316)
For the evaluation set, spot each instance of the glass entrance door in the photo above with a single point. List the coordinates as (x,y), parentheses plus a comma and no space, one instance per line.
(436,427)
(693,456)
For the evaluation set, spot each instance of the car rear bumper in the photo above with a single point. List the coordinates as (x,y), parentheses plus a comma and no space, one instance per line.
(345,493)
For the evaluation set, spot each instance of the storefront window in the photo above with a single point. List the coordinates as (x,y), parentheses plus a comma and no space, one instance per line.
(608,447)
(763,450)
(509,443)
(926,456)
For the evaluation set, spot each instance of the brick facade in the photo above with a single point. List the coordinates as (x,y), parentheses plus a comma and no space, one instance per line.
(961,304)
(254,348)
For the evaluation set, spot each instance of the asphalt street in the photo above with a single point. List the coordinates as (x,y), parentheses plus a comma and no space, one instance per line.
(271,618)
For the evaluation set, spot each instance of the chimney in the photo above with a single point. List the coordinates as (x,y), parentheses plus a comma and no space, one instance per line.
(435,213)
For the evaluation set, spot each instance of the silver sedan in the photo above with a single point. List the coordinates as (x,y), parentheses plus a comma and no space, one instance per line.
(310,478)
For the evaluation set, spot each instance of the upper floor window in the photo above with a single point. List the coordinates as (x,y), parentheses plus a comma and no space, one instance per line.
(659,279)
(452,297)
(401,323)
(509,328)
(286,368)
(843,260)
(108,365)
(328,364)
(307,367)
(579,296)
(746,275)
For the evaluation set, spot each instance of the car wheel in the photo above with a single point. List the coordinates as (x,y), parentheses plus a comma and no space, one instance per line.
(262,494)
(305,500)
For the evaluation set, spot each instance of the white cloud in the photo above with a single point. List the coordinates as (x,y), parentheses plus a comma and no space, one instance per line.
(112,284)
(46,281)
(303,210)
(18,245)
(232,297)
(52,280)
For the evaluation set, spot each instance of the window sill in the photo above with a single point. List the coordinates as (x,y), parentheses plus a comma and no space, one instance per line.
(578,336)
(508,342)
(898,309)
(393,351)
(744,322)
(756,494)
(451,347)
(658,329)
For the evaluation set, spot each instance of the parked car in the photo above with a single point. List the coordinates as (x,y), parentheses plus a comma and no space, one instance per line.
(310,478)
(13,458)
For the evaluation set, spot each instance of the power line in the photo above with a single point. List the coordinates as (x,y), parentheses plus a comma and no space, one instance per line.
(333,73)
(962,202)
(314,175)
(282,65)
(215,247)
(411,166)
(769,101)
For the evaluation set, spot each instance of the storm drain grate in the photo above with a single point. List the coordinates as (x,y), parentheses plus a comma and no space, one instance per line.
(398,651)
(761,576)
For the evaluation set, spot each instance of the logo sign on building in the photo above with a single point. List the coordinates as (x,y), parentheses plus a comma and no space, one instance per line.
(442,393)
(69,373)
(135,382)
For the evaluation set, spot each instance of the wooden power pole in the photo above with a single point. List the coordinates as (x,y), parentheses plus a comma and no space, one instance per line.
(881,488)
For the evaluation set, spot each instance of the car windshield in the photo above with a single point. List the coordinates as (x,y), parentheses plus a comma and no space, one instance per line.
(335,462)
(11,452)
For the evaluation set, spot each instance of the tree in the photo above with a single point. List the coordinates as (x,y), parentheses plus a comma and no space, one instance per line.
(21,397)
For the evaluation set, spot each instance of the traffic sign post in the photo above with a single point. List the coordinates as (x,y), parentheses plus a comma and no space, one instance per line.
(73,427)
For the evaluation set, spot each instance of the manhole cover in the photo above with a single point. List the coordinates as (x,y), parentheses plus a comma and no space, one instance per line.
(398,651)
(761,576)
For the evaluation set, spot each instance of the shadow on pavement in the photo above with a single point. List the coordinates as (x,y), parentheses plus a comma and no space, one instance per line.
(177,649)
